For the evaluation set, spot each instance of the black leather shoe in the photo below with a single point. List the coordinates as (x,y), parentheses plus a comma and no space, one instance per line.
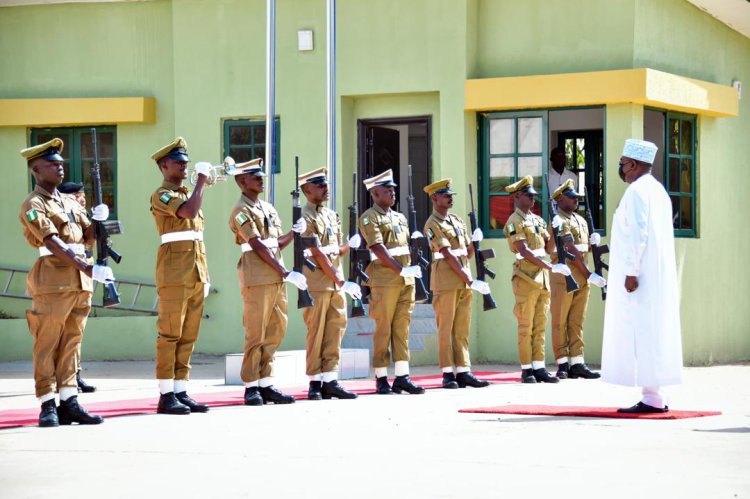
(563,371)
(527,376)
(468,379)
(641,408)
(449,381)
(271,394)
(83,387)
(583,371)
(252,396)
(313,393)
(168,404)
(48,415)
(382,387)
(333,389)
(69,411)
(404,384)
(542,376)
(192,404)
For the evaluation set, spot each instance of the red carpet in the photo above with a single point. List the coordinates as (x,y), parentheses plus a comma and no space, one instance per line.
(585,412)
(232,396)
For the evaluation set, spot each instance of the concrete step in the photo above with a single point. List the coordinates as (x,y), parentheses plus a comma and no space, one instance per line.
(289,367)
(359,330)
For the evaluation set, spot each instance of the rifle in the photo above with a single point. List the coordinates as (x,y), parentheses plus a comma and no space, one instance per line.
(562,253)
(598,250)
(481,256)
(304,299)
(356,264)
(415,247)
(103,230)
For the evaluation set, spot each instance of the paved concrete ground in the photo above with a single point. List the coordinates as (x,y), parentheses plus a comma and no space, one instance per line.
(384,446)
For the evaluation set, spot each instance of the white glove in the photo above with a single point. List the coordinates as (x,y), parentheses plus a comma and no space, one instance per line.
(557,222)
(206,290)
(595,239)
(203,168)
(480,287)
(100,212)
(299,226)
(412,271)
(597,280)
(477,235)
(297,279)
(352,289)
(416,234)
(102,273)
(355,241)
(561,268)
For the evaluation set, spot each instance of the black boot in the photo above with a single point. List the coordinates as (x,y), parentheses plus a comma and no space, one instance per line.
(333,389)
(168,404)
(382,387)
(271,394)
(83,387)
(527,376)
(404,383)
(313,393)
(192,404)
(70,411)
(252,396)
(583,371)
(48,416)
(468,379)
(563,371)
(542,376)
(449,381)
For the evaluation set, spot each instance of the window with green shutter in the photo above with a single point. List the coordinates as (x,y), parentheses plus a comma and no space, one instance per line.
(245,139)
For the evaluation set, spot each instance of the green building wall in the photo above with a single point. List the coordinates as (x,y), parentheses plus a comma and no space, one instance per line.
(205,62)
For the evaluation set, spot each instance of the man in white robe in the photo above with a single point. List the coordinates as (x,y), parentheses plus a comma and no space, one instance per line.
(642,343)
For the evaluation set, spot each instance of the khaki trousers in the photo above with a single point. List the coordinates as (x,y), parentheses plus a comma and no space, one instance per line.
(532,304)
(326,323)
(78,352)
(453,318)
(264,317)
(391,308)
(56,323)
(568,313)
(179,322)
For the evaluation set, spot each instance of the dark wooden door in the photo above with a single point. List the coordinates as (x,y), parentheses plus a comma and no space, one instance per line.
(382,152)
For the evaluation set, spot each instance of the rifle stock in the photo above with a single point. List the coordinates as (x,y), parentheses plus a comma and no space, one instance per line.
(415,248)
(104,251)
(356,264)
(481,256)
(304,299)
(597,250)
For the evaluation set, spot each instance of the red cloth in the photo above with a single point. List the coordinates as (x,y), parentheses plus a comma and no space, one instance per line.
(586,412)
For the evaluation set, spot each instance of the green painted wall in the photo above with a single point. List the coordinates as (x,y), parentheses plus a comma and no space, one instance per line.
(205,62)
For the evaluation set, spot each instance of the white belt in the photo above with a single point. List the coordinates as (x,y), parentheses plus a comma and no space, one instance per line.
(400,251)
(454,252)
(331,249)
(269,243)
(582,247)
(78,249)
(185,235)
(539,252)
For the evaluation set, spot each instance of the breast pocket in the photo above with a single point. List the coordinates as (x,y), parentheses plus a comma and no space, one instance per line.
(180,254)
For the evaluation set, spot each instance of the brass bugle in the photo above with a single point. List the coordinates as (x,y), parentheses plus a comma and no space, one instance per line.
(217,173)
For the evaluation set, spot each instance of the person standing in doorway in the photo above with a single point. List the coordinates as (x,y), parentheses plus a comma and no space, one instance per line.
(559,173)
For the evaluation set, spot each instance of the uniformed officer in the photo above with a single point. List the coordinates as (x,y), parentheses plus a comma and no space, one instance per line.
(326,319)
(257,231)
(76,192)
(60,283)
(529,241)
(569,309)
(391,283)
(451,284)
(181,275)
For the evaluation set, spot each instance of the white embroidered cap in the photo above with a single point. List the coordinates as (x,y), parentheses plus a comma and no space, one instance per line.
(641,150)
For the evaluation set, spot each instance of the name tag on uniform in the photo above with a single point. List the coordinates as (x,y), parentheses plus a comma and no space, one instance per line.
(329,231)
(396,229)
(71,217)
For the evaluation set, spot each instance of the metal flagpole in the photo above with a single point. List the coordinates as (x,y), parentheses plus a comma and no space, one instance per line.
(270,96)
(331,100)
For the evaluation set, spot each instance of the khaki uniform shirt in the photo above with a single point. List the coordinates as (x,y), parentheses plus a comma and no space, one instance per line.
(574,225)
(248,220)
(532,229)
(390,229)
(449,232)
(179,262)
(325,225)
(43,214)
